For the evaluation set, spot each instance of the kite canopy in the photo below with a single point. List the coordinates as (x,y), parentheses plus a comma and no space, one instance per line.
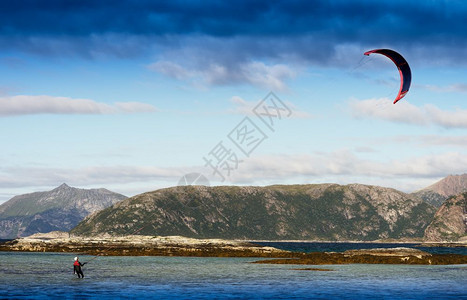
(402,66)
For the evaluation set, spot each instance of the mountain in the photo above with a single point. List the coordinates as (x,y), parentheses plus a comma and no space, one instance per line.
(319,212)
(438,192)
(450,221)
(59,209)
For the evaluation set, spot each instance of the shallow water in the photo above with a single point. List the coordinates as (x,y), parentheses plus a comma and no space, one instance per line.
(45,275)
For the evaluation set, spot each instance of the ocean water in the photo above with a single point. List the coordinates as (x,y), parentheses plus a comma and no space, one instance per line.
(50,275)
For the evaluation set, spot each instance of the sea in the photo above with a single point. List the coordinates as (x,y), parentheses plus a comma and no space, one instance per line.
(48,275)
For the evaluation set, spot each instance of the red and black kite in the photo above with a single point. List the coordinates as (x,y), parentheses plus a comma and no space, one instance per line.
(402,66)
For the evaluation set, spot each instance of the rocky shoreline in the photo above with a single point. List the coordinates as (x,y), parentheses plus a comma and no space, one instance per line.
(399,255)
(138,245)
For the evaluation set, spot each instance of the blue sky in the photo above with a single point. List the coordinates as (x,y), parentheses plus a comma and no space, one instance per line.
(132,95)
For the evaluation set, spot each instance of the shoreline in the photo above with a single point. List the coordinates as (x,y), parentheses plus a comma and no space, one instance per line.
(137,245)
(142,246)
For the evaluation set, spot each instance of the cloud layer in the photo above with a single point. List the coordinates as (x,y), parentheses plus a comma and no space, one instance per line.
(340,166)
(254,73)
(225,18)
(406,113)
(345,163)
(29,105)
(318,32)
(262,43)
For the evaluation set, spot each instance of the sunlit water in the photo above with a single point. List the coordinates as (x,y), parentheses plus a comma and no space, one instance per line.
(45,275)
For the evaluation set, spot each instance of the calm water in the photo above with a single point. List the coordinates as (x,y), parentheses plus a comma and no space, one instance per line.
(45,275)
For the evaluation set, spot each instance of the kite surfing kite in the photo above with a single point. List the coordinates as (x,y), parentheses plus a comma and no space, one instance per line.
(402,66)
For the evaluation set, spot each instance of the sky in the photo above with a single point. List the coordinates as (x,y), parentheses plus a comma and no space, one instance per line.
(134,96)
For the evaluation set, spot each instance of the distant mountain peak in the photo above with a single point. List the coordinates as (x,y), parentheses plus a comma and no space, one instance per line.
(450,186)
(59,209)
(440,191)
(63,186)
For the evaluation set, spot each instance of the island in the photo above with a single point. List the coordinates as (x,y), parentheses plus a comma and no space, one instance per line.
(140,245)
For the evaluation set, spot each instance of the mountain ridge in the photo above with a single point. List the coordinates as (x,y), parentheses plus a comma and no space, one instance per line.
(317,211)
(58,209)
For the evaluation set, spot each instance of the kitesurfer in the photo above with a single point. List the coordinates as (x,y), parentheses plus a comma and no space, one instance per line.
(77,268)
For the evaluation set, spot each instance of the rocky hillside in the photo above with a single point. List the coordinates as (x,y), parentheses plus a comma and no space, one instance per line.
(322,212)
(59,209)
(437,193)
(450,221)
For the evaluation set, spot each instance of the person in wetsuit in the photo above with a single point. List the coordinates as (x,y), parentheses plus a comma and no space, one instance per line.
(77,268)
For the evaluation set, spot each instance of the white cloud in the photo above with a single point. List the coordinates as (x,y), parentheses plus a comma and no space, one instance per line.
(43,104)
(171,69)
(337,167)
(451,141)
(453,88)
(365,149)
(128,180)
(272,77)
(404,112)
(258,74)
(134,107)
(242,106)
(443,140)
(92,175)
(345,166)
(457,118)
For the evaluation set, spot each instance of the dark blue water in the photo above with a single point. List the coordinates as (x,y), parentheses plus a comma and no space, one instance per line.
(50,275)
(341,247)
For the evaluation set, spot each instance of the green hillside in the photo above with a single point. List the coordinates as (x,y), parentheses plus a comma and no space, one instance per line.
(322,211)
